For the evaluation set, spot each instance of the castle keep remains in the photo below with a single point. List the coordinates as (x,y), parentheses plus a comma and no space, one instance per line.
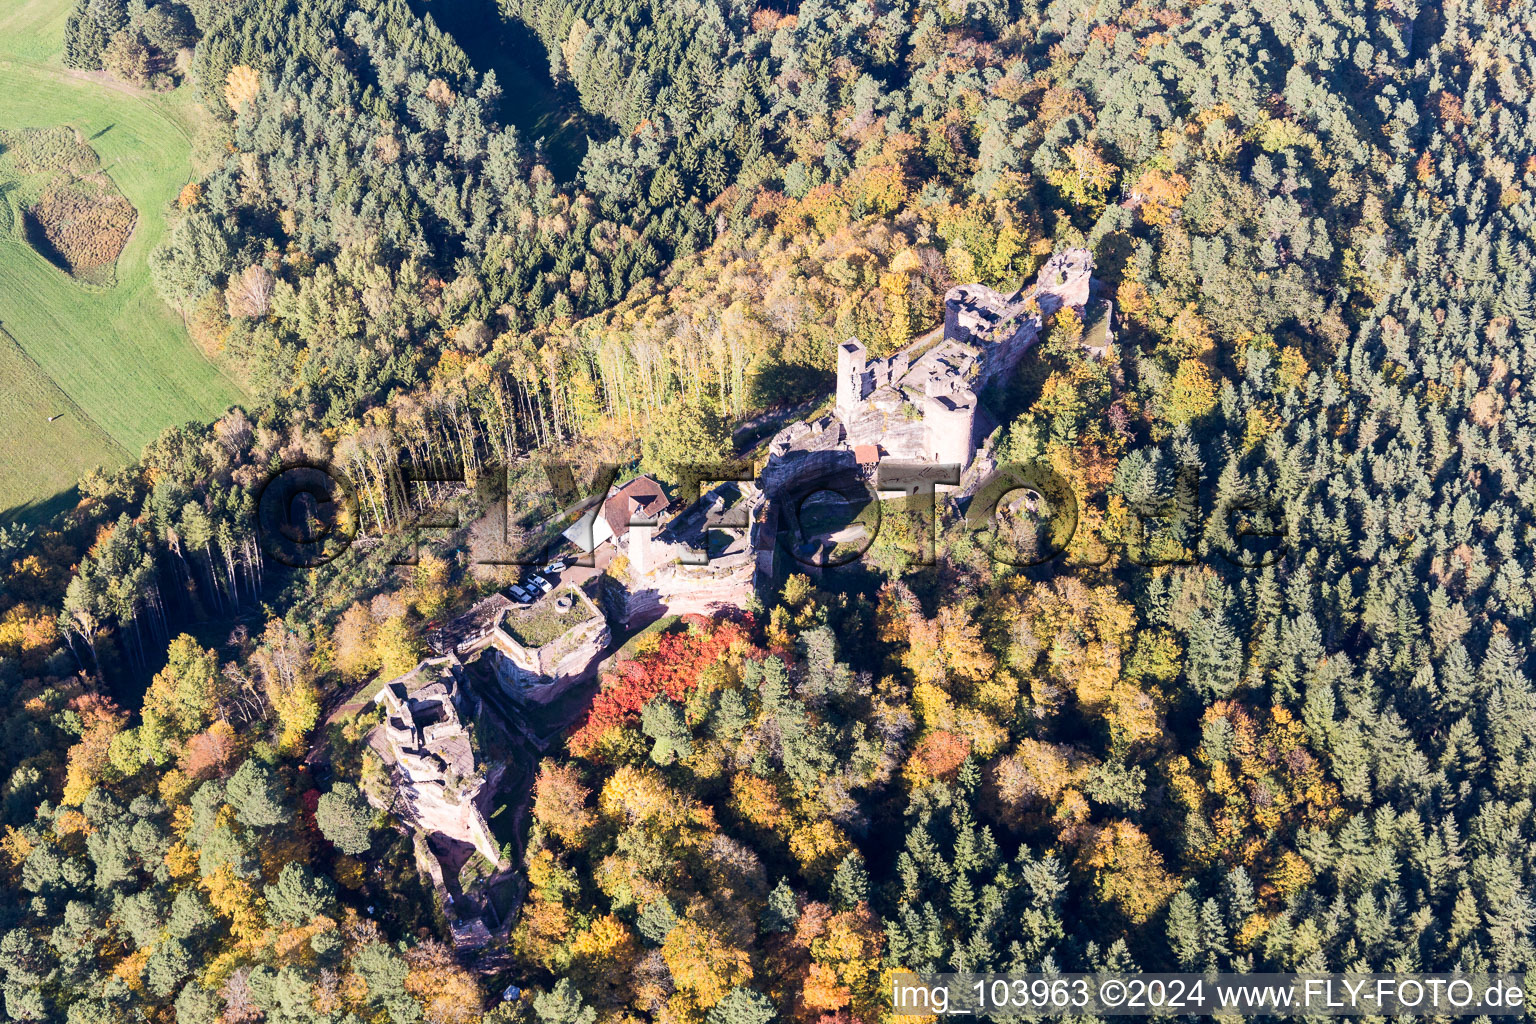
(920,404)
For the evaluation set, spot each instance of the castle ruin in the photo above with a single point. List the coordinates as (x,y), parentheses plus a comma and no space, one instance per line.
(920,404)
(425,740)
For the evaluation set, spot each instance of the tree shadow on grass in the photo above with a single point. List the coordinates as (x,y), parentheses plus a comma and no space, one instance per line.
(41,510)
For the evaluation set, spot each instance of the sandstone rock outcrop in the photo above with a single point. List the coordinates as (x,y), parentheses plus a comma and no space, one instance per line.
(424,740)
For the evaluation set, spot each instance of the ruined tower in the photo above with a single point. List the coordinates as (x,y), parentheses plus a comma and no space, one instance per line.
(851,356)
(1064,281)
(949,420)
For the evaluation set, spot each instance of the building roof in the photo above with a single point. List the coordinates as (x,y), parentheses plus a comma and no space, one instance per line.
(641,498)
(866,454)
(582,532)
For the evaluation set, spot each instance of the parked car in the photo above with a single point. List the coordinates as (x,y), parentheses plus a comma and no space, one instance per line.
(556,567)
(543,584)
(518,594)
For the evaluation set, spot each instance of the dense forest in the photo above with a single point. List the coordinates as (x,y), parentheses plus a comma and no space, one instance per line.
(1158,751)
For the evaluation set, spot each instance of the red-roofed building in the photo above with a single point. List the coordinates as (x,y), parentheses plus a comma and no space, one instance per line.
(640,500)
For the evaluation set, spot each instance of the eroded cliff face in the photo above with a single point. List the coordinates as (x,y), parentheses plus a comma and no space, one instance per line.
(545,673)
(426,744)
(688,590)
(455,812)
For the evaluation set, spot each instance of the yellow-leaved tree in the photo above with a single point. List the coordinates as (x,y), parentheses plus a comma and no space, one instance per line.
(284,662)
(706,956)
(448,993)
(1126,871)
(1190,395)
(241,86)
(354,640)
(397,646)
(101,721)
(1084,177)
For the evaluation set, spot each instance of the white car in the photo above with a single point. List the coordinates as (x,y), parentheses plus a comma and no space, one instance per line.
(543,584)
(555,568)
(519,594)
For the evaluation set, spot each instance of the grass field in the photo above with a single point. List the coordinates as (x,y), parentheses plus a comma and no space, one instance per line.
(27,398)
(117,357)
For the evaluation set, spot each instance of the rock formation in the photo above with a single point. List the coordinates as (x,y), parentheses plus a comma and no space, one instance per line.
(424,740)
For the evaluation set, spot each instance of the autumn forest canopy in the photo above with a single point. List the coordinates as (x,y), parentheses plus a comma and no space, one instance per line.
(1315,223)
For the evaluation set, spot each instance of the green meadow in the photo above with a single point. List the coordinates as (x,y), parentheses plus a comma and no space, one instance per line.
(116,361)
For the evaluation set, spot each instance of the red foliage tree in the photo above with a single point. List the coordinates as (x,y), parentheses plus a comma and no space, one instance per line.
(941,754)
(672,668)
(308,801)
(210,753)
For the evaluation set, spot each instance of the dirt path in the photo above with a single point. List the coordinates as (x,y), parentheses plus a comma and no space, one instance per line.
(143,97)
(749,433)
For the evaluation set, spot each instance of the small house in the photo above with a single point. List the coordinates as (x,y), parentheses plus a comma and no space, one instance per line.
(639,502)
